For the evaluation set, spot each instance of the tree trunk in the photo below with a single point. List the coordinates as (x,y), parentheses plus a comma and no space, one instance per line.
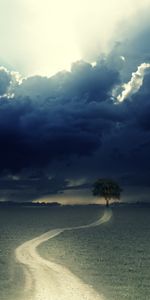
(107,202)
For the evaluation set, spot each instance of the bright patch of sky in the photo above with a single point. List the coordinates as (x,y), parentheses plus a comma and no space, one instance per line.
(46,36)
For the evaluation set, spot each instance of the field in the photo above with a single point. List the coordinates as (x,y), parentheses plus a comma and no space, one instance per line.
(113,258)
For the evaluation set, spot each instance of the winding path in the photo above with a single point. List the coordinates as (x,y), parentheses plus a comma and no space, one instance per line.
(46,280)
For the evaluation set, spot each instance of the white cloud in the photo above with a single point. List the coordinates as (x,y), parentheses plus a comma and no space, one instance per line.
(134,84)
(8,82)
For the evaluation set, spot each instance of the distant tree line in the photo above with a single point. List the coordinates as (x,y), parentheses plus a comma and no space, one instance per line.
(13,203)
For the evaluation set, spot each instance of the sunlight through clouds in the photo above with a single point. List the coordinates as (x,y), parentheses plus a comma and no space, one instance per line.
(46,36)
(135,83)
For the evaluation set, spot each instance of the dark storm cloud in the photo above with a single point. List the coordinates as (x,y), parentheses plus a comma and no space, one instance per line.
(57,117)
(5,79)
(126,152)
(29,188)
(69,126)
(84,81)
(142,99)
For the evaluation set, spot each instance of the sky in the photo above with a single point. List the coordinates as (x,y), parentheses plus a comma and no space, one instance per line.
(74,98)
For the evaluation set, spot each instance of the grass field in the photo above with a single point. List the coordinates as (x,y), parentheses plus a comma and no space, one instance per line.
(114,258)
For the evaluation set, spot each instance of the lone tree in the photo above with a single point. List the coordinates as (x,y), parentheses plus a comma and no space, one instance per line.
(107,188)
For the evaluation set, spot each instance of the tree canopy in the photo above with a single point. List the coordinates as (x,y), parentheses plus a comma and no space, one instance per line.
(109,189)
